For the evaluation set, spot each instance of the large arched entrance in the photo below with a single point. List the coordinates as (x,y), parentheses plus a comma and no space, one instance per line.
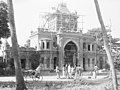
(70,53)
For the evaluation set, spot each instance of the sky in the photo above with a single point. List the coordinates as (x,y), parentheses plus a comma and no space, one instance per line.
(28,15)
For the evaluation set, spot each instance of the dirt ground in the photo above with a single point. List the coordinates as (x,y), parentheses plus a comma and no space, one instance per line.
(81,84)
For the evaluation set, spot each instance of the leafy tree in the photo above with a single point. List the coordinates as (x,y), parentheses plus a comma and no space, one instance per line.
(11,65)
(113,44)
(34,59)
(98,36)
(4,20)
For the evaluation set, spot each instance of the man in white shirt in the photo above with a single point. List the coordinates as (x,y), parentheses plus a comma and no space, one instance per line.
(58,72)
(69,71)
(95,71)
(38,69)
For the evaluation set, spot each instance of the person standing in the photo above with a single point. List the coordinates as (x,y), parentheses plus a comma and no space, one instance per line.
(63,70)
(58,72)
(72,71)
(80,70)
(95,71)
(69,71)
(38,70)
(66,71)
(76,73)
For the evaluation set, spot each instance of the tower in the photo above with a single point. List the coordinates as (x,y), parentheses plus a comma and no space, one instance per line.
(62,18)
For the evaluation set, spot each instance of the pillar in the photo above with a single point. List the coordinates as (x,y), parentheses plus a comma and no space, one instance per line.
(38,45)
(80,52)
(45,45)
(60,48)
(90,47)
(45,65)
(51,63)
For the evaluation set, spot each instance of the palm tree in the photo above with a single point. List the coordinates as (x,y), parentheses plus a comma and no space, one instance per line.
(114,77)
(20,85)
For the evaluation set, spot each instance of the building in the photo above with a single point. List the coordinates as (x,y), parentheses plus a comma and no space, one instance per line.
(63,43)
(25,52)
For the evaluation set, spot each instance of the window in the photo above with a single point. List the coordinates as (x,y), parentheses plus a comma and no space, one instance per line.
(84,63)
(43,45)
(88,47)
(88,62)
(48,45)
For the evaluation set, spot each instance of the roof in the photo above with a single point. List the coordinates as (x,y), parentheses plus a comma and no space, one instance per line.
(45,39)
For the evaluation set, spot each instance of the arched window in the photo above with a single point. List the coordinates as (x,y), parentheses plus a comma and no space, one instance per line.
(88,47)
(43,45)
(48,45)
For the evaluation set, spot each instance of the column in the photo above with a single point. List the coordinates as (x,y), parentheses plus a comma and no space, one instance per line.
(45,65)
(51,55)
(60,49)
(38,45)
(45,44)
(80,52)
(61,57)
(86,47)
(90,47)
(51,63)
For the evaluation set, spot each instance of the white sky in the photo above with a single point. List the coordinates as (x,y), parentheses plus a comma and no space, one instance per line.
(28,12)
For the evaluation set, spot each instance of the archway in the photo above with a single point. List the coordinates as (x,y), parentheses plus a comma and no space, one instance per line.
(70,53)
(55,62)
(23,62)
(101,63)
(84,64)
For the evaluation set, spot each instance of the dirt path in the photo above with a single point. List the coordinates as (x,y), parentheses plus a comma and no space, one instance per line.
(83,84)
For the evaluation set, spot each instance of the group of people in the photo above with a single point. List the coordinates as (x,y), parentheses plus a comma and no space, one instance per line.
(70,71)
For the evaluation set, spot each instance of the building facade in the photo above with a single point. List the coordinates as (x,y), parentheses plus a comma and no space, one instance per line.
(63,43)
(25,53)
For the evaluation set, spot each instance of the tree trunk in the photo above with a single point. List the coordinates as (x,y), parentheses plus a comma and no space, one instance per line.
(20,85)
(114,77)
